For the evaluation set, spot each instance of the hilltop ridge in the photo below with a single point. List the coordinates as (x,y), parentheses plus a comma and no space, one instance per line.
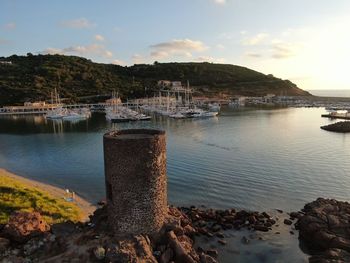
(33,77)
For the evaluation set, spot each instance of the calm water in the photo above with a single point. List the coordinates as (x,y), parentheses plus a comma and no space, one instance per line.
(254,159)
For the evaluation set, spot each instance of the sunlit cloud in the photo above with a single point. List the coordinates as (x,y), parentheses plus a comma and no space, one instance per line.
(52,51)
(179,47)
(255,40)
(282,50)
(118,62)
(99,38)
(210,59)
(78,23)
(88,50)
(253,54)
(159,54)
(138,59)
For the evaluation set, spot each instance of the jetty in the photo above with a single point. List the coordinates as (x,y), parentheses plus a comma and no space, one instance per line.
(43,108)
(343,116)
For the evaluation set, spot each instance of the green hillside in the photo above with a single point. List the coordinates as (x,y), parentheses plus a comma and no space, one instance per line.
(33,77)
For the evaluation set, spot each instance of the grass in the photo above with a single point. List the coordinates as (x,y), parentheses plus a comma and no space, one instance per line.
(17,196)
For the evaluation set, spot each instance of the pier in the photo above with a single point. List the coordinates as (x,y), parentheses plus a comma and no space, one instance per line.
(343,116)
(44,108)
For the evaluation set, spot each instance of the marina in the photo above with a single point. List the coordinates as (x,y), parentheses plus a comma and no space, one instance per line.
(210,161)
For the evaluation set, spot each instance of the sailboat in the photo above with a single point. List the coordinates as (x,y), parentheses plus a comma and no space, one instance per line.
(58,112)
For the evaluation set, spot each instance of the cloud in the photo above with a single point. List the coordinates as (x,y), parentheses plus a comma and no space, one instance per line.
(77,23)
(10,26)
(282,50)
(220,46)
(138,59)
(99,38)
(52,51)
(159,54)
(182,47)
(220,2)
(88,50)
(210,59)
(253,54)
(118,62)
(255,40)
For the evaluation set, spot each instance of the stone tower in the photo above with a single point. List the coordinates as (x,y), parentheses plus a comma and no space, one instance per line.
(136,183)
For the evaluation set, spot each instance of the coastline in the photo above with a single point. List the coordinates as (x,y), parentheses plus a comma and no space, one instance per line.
(86,207)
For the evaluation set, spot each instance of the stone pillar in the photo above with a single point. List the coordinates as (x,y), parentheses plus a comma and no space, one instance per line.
(136,183)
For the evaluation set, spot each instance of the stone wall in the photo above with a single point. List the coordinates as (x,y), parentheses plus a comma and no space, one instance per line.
(136,183)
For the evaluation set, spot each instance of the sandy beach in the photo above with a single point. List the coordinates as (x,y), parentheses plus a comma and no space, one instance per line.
(86,207)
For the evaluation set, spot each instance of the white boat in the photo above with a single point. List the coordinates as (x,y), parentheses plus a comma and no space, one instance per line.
(177,115)
(144,117)
(116,117)
(55,114)
(74,116)
(205,114)
(214,107)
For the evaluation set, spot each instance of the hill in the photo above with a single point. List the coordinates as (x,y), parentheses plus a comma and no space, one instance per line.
(33,77)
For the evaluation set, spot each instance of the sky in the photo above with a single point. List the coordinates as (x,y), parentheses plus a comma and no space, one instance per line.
(305,41)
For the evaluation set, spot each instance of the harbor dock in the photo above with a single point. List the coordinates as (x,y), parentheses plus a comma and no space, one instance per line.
(343,116)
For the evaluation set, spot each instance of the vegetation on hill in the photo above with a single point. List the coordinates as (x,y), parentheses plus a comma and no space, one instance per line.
(33,77)
(17,196)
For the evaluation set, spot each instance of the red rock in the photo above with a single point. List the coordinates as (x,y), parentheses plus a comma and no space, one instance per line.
(22,226)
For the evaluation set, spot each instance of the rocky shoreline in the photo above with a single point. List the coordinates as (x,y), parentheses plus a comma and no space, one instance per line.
(324,233)
(342,126)
(27,238)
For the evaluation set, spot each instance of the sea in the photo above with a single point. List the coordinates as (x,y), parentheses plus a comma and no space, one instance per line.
(246,158)
(341,93)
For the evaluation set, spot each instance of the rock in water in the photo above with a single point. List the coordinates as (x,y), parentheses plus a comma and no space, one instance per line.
(22,226)
(288,222)
(325,228)
(342,126)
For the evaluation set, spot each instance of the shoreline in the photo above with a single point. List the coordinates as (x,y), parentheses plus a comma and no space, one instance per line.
(86,207)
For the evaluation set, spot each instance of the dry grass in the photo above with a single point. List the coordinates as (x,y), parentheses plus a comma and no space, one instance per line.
(17,196)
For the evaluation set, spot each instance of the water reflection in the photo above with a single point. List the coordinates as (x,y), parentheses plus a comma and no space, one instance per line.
(252,159)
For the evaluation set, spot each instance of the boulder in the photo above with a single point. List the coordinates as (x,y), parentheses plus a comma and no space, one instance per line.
(182,250)
(23,226)
(324,228)
(288,222)
(135,249)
